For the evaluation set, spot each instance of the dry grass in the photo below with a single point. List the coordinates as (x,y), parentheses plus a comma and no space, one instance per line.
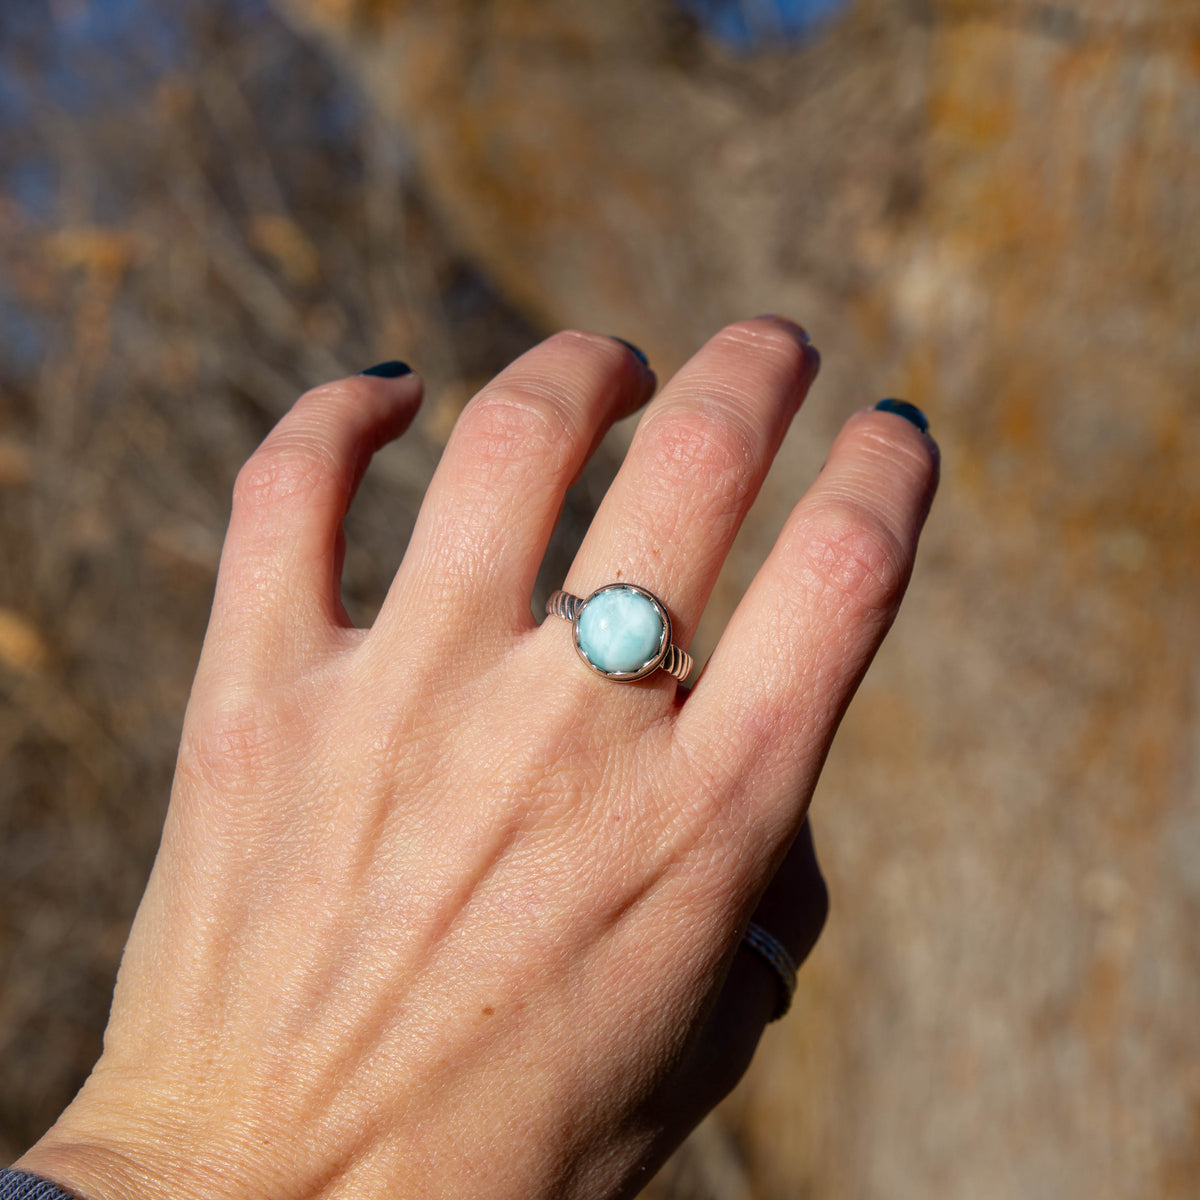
(190,236)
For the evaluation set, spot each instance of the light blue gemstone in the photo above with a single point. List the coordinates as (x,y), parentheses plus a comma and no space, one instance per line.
(620,630)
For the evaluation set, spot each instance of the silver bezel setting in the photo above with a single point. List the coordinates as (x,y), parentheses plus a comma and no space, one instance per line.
(664,644)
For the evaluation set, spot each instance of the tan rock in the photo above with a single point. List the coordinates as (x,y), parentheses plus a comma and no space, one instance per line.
(992,210)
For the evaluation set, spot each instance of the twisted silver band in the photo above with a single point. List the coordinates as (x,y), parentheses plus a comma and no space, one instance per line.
(775,954)
(563,604)
(667,657)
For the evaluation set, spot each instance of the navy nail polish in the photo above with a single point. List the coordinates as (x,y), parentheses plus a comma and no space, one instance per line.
(902,408)
(388,370)
(640,355)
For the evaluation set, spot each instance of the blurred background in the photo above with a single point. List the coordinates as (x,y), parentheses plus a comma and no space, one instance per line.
(207,206)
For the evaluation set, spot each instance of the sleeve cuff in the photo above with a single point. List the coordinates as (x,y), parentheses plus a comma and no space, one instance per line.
(20,1185)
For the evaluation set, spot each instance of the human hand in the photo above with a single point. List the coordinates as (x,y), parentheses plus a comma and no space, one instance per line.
(438,911)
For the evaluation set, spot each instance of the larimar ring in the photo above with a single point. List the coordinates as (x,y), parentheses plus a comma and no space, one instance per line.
(622,632)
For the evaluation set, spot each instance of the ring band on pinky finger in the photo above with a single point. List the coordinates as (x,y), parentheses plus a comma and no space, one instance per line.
(622,632)
(775,954)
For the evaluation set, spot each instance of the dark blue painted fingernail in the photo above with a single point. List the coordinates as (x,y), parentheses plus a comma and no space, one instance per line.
(640,355)
(388,370)
(902,408)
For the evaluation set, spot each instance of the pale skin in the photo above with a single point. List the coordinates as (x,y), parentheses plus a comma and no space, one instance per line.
(438,912)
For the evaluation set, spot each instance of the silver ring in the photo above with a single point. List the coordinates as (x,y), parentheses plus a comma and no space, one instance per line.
(775,954)
(622,632)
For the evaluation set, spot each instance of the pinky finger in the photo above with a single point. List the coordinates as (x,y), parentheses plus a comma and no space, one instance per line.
(803,636)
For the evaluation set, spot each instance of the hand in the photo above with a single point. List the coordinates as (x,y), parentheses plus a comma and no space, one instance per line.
(438,911)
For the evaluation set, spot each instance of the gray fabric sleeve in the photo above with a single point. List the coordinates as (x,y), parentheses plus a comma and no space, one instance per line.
(18,1185)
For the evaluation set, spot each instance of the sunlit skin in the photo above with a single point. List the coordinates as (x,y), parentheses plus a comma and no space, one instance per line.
(439,911)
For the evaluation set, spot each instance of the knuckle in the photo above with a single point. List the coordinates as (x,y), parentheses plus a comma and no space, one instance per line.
(899,449)
(771,338)
(231,752)
(251,739)
(334,395)
(283,470)
(712,450)
(504,426)
(575,340)
(850,555)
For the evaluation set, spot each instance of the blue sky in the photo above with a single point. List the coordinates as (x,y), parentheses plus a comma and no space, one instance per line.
(749,24)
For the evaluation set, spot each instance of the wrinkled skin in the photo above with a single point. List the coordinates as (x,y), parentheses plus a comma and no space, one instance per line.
(438,911)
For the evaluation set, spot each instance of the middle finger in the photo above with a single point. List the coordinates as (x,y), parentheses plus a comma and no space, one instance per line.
(696,463)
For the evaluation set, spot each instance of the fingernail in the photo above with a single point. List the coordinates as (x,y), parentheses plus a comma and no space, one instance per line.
(388,370)
(794,324)
(902,408)
(639,354)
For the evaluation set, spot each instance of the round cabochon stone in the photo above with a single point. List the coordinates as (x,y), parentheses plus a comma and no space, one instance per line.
(620,630)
